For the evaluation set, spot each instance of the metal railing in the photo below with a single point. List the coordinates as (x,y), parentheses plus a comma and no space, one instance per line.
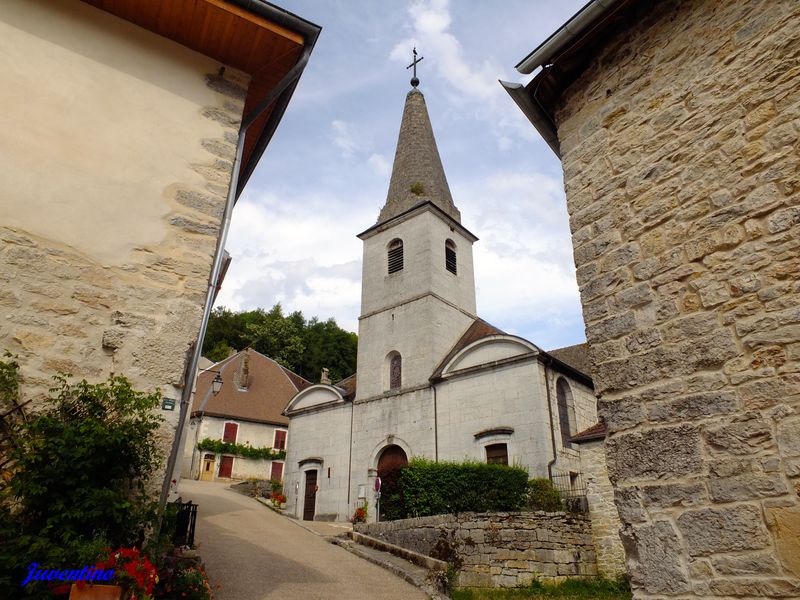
(572,490)
(185,522)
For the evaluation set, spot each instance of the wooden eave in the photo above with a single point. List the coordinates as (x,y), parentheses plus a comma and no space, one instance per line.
(232,36)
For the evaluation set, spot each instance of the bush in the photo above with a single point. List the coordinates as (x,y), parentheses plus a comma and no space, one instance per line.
(78,478)
(431,488)
(543,496)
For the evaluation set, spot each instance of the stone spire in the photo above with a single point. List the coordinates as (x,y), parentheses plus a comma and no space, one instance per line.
(417,173)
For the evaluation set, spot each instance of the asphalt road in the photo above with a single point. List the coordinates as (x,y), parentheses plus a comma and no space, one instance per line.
(253,553)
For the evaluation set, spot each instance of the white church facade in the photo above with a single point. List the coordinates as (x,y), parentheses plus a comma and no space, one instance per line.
(433,380)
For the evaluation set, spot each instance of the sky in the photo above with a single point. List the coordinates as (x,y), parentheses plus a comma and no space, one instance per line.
(325,174)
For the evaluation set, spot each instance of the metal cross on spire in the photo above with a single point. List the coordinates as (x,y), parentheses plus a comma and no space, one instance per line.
(414,80)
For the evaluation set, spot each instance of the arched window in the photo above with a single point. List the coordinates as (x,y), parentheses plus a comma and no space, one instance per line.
(395,256)
(450,257)
(395,371)
(566,411)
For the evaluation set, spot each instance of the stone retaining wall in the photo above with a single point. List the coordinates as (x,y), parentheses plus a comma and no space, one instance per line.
(498,549)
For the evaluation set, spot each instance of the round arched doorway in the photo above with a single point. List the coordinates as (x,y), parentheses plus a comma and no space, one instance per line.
(391,461)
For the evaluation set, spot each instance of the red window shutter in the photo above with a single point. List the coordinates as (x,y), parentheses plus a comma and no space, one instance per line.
(277,471)
(229,433)
(280,440)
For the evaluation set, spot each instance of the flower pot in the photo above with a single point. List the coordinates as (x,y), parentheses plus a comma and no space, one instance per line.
(95,592)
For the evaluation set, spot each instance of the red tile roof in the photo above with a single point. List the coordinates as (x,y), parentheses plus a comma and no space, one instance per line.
(479,329)
(595,432)
(269,388)
(576,356)
(348,387)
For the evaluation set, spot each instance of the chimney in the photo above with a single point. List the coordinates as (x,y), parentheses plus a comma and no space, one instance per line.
(324,378)
(243,374)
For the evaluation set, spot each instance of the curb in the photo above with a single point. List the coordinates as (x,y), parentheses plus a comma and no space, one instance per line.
(432,564)
(423,584)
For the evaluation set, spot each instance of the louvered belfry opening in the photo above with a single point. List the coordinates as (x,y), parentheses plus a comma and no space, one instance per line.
(395,256)
(450,257)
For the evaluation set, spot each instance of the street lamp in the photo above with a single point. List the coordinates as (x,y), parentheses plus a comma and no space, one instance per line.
(216,384)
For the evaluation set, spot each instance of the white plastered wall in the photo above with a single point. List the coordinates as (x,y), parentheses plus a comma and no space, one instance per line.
(323,434)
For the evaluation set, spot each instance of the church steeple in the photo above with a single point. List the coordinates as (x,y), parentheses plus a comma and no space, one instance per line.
(417,173)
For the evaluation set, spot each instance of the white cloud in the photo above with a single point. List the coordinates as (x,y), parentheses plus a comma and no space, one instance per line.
(343,137)
(470,81)
(379,165)
(524,269)
(308,260)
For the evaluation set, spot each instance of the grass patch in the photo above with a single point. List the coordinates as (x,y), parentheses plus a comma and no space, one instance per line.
(570,589)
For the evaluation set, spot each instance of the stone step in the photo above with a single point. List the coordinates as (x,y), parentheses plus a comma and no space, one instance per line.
(428,574)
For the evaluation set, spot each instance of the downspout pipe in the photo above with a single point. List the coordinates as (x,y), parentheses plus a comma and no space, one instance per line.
(549,361)
(435,426)
(213,280)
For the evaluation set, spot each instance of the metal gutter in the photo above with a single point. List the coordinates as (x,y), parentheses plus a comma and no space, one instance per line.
(535,113)
(564,35)
(310,33)
(286,84)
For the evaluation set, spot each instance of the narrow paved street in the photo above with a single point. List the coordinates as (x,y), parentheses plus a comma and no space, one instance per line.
(255,554)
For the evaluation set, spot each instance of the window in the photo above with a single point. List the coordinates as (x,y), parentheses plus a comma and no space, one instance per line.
(229,433)
(497,454)
(450,257)
(395,255)
(277,471)
(395,371)
(280,440)
(566,411)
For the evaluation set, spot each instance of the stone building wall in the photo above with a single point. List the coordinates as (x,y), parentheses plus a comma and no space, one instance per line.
(118,148)
(498,549)
(602,510)
(680,157)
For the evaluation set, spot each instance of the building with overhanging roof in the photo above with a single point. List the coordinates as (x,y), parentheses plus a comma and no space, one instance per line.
(128,130)
(434,380)
(677,127)
(247,410)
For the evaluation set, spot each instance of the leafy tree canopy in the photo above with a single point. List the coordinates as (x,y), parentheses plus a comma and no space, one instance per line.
(305,346)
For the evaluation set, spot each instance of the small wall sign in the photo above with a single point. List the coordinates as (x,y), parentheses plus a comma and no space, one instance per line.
(167,404)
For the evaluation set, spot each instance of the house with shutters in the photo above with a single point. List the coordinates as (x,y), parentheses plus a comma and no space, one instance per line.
(244,412)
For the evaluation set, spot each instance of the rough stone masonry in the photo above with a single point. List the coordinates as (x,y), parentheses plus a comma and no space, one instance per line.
(498,549)
(680,156)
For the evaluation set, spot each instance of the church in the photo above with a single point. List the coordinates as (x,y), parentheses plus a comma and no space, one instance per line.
(433,379)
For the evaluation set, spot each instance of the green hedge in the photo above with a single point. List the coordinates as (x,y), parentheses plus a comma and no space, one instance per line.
(220,447)
(543,496)
(431,488)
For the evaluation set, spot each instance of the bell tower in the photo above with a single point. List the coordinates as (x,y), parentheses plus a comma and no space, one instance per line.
(418,285)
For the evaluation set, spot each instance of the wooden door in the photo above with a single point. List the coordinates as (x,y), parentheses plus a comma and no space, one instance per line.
(310,502)
(225,466)
(207,474)
(392,460)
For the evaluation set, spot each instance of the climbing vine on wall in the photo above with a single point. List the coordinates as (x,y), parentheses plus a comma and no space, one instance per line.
(220,447)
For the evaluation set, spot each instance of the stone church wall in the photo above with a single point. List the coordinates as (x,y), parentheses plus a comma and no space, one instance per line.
(509,396)
(117,153)
(680,157)
(498,549)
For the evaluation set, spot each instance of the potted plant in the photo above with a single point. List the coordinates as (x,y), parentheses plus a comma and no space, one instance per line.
(134,573)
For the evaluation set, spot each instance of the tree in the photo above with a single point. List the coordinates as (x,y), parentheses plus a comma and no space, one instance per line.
(304,346)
